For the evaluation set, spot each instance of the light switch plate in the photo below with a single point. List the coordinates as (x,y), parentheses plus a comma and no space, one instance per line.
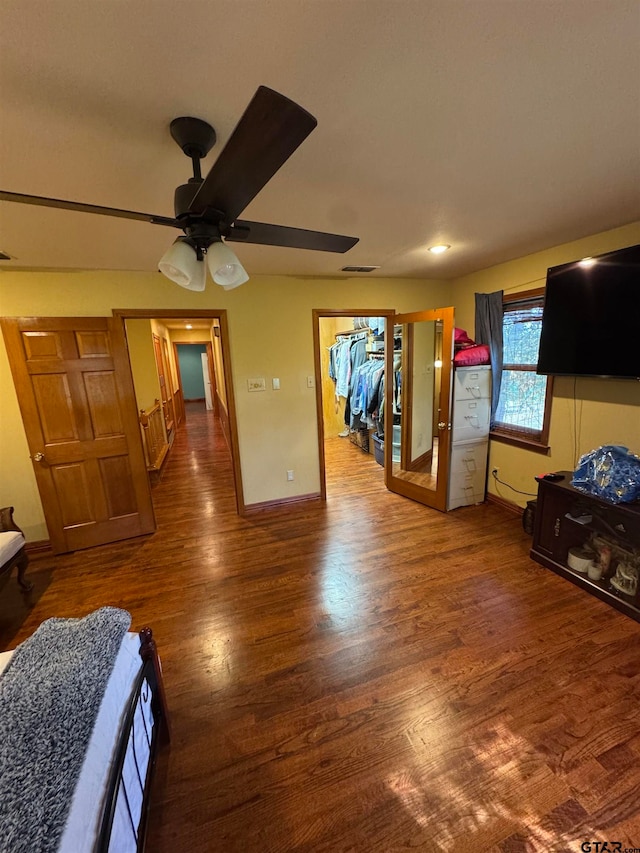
(256,385)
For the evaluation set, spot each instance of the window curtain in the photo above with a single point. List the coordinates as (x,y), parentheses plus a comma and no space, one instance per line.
(489,314)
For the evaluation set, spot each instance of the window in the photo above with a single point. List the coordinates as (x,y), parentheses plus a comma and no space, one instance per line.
(524,407)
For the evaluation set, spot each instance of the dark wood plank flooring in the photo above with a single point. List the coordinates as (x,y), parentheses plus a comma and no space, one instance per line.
(362,675)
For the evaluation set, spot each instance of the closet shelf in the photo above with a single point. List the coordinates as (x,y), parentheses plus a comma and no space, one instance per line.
(364,332)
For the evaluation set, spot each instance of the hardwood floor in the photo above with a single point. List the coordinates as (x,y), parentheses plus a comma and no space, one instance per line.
(363,675)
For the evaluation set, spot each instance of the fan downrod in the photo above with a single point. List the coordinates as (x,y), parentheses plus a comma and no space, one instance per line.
(195,136)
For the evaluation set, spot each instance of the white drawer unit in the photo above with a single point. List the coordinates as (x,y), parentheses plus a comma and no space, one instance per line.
(465,489)
(470,419)
(469,436)
(472,383)
(469,458)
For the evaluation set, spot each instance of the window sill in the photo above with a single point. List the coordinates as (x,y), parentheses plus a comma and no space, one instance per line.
(520,441)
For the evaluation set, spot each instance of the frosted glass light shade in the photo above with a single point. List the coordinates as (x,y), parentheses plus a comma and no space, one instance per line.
(180,264)
(224,266)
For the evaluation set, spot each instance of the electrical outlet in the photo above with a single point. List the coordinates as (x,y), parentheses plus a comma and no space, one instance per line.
(289,475)
(494,472)
(256,385)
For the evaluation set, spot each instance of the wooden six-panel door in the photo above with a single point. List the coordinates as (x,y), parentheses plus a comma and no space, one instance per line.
(76,397)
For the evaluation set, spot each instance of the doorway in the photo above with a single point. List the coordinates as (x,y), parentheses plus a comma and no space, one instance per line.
(417,358)
(173,389)
(192,363)
(349,346)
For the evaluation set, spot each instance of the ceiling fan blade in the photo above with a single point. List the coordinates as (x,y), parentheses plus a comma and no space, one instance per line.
(270,130)
(244,231)
(79,206)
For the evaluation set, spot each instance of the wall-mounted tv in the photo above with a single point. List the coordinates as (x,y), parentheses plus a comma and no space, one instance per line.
(591,317)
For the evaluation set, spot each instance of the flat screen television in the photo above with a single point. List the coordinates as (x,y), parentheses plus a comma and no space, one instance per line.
(591,317)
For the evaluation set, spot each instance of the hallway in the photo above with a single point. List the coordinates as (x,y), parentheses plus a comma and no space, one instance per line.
(198,477)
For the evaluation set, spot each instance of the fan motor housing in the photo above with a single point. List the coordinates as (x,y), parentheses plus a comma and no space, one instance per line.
(183,197)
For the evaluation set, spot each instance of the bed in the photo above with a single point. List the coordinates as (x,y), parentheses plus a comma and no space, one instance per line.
(82,715)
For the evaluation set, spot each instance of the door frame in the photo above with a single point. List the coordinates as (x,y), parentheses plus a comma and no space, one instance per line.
(123,314)
(329,313)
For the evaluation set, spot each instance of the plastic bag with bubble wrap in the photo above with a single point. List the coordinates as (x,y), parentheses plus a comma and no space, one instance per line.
(611,472)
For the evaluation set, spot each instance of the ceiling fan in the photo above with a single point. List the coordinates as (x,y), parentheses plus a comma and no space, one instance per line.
(206,209)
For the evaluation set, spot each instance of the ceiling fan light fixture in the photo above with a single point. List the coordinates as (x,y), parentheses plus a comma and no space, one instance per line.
(224,266)
(180,263)
(270,130)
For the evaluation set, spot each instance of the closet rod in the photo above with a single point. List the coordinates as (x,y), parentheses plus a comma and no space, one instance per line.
(364,332)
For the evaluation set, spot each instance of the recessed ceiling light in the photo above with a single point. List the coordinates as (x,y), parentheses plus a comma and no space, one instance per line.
(439,249)
(188,326)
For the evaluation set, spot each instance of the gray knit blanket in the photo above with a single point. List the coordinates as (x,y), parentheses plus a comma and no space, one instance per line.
(50,694)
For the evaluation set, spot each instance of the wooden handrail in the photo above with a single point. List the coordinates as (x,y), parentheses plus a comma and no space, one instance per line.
(154,436)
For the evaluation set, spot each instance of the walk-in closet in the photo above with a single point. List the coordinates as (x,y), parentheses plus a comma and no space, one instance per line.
(353,382)
(395,399)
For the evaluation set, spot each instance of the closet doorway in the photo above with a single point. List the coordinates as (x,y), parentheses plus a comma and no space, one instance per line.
(349,349)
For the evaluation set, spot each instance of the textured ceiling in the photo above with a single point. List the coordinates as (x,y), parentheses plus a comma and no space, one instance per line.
(497,126)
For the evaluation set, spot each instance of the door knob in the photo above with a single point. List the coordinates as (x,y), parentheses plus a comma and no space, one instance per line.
(38,457)
(442,425)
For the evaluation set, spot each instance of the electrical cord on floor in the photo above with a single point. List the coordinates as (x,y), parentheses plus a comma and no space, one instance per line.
(502,483)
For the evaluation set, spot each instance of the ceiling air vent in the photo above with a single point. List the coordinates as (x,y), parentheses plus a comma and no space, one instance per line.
(360,269)
(4,256)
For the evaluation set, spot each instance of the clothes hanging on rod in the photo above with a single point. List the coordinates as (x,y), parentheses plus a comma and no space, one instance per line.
(358,356)
(364,400)
(344,356)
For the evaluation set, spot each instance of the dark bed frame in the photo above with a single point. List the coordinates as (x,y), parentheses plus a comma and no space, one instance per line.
(149,678)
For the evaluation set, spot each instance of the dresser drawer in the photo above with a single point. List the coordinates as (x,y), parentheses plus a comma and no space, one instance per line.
(470,419)
(472,383)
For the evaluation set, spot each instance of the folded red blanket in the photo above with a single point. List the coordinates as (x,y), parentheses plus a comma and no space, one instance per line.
(477,354)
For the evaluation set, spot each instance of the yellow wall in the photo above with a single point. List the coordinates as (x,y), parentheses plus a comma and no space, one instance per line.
(603,411)
(143,362)
(332,408)
(17,480)
(218,365)
(190,336)
(271,335)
